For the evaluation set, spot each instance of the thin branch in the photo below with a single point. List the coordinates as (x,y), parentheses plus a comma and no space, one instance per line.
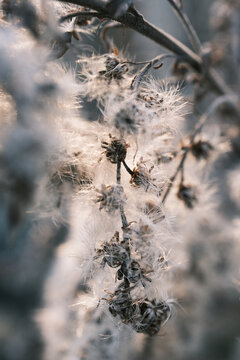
(122,213)
(225,99)
(127,168)
(138,78)
(192,35)
(139,24)
(84,14)
(118,7)
(98,5)
(113,25)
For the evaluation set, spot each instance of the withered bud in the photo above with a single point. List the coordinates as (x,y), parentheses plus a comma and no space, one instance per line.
(116,150)
(149,316)
(113,252)
(114,68)
(201,149)
(111,62)
(187,194)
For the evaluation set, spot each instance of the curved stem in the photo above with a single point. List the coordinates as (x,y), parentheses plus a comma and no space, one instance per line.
(127,168)
(85,14)
(162,38)
(138,78)
(192,35)
(104,31)
(138,23)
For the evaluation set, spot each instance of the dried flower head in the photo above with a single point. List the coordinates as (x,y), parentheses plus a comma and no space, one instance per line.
(149,316)
(121,304)
(116,150)
(132,272)
(145,316)
(115,68)
(141,176)
(113,252)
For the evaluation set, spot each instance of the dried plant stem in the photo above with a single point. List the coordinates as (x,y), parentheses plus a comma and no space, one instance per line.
(136,22)
(85,14)
(123,216)
(127,168)
(192,35)
(98,5)
(225,99)
(138,78)
(112,25)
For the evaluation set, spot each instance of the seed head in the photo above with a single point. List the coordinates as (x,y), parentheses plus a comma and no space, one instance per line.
(116,150)
(141,176)
(115,69)
(149,316)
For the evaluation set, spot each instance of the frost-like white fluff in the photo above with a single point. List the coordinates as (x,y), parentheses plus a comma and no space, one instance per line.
(123,249)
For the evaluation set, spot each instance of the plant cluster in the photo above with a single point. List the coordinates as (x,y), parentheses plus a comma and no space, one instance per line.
(127,190)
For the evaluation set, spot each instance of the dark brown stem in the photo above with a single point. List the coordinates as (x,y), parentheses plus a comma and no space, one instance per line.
(119,172)
(85,14)
(135,21)
(127,168)
(139,24)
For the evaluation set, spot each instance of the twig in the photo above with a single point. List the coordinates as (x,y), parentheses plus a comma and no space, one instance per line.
(98,5)
(123,216)
(127,168)
(139,24)
(192,35)
(137,79)
(113,25)
(225,99)
(85,14)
